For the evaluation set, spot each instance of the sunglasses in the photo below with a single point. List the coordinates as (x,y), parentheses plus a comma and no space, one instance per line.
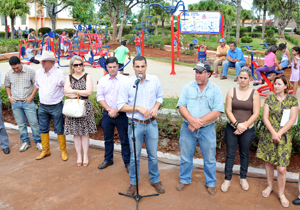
(79,64)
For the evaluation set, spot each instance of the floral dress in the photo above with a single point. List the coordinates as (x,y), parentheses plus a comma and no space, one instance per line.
(83,125)
(276,153)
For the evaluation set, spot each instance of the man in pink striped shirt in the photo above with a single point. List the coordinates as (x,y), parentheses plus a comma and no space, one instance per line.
(107,96)
(50,81)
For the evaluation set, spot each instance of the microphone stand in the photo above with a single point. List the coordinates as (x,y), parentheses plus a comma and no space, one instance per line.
(137,197)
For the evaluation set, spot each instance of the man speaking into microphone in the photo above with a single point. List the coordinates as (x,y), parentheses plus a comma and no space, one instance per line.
(149,99)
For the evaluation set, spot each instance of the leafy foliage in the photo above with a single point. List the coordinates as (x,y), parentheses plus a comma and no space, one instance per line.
(246,39)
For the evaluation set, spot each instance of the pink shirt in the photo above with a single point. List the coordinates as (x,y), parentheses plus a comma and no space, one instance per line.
(62,38)
(108,89)
(50,85)
(269,59)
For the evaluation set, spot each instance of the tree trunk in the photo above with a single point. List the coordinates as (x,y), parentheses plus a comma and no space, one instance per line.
(53,21)
(237,37)
(252,24)
(119,38)
(6,33)
(12,29)
(264,22)
(115,29)
(163,28)
(243,23)
(156,29)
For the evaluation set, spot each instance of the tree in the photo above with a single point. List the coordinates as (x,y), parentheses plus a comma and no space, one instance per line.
(13,9)
(245,15)
(296,17)
(164,17)
(83,12)
(56,6)
(4,11)
(262,5)
(284,10)
(238,21)
(229,18)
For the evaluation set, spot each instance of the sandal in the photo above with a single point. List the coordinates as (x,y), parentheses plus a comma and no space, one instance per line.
(266,193)
(244,184)
(283,200)
(225,186)
(79,164)
(216,75)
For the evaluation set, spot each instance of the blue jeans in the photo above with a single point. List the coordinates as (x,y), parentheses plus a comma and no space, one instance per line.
(4,143)
(22,111)
(54,112)
(237,65)
(138,50)
(148,132)
(108,125)
(206,137)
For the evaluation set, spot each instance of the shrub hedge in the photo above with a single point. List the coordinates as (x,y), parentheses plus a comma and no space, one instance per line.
(292,39)
(246,39)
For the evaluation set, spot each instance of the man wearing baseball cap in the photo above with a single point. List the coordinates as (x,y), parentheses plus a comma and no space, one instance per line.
(50,81)
(221,55)
(200,104)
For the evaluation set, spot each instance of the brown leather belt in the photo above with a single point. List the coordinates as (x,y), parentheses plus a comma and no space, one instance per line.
(48,104)
(144,121)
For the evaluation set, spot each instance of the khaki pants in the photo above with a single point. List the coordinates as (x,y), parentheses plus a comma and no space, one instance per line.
(217,63)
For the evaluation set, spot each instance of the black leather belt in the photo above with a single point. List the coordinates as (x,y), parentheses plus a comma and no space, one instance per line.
(144,121)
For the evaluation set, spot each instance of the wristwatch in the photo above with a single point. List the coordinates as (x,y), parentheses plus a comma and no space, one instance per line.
(9,96)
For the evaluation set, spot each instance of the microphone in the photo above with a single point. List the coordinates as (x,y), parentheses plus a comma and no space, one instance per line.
(137,80)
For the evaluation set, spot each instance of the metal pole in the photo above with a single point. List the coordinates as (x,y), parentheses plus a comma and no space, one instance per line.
(172,45)
(143,42)
(35,18)
(178,34)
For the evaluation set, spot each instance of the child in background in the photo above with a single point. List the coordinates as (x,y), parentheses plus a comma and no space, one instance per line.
(295,69)
(30,54)
(286,58)
(66,45)
(45,45)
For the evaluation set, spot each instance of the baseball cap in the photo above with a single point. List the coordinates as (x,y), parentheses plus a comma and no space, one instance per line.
(202,65)
(222,40)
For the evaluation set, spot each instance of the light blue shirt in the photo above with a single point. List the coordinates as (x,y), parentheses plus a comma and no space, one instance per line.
(29,53)
(200,104)
(148,94)
(195,41)
(237,54)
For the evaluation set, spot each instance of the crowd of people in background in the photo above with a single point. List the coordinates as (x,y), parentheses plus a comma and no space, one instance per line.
(200,104)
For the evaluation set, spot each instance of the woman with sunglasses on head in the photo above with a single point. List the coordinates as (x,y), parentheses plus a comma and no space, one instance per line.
(80,83)
(242,109)
(275,144)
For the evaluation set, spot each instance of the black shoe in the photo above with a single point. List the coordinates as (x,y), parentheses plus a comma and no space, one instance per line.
(127,168)
(6,151)
(296,201)
(104,165)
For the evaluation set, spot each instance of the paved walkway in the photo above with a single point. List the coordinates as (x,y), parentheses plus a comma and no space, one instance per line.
(51,184)
(172,84)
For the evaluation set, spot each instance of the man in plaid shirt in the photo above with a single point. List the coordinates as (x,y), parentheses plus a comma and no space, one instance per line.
(19,85)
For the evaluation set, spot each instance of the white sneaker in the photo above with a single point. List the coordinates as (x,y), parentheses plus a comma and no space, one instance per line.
(24,147)
(39,146)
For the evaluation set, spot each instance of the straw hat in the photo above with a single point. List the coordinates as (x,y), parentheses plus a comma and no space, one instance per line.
(46,56)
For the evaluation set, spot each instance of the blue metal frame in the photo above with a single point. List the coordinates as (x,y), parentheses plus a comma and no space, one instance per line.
(143,26)
(53,35)
(170,9)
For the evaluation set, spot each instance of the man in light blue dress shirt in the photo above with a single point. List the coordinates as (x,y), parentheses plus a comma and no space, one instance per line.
(149,99)
(200,104)
(235,58)
(4,143)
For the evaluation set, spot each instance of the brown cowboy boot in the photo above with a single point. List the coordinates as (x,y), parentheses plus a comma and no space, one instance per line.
(63,148)
(46,148)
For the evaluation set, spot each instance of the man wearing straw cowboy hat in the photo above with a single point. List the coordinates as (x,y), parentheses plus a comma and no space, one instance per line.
(50,82)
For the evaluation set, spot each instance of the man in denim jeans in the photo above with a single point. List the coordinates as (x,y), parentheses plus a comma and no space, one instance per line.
(200,104)
(137,42)
(4,142)
(19,85)
(149,99)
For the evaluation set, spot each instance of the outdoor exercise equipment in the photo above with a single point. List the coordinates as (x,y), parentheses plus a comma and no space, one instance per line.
(255,65)
(145,28)
(22,49)
(201,53)
(51,46)
(171,10)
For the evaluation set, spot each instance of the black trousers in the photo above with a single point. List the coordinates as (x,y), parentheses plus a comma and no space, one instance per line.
(244,140)
(34,61)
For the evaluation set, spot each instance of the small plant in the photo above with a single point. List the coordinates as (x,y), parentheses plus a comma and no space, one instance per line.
(246,39)
(272,41)
(270,33)
(98,109)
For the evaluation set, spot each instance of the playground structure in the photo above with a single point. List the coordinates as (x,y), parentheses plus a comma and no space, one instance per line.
(91,42)
(171,10)
(144,28)
(255,65)
(202,54)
